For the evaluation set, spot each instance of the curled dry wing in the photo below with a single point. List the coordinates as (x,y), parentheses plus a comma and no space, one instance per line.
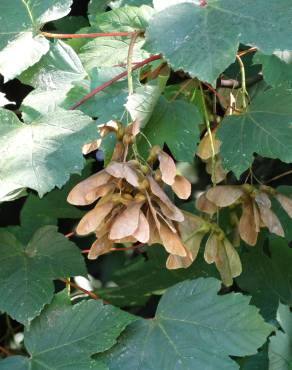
(181,187)
(285,202)
(99,247)
(247,224)
(224,195)
(159,193)
(126,223)
(78,195)
(171,241)
(91,221)
(142,233)
(167,168)
(203,204)
(123,171)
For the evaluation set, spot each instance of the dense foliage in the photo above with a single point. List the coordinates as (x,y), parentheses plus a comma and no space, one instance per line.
(145,172)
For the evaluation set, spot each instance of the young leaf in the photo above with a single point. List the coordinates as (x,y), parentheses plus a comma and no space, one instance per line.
(65,336)
(49,255)
(20,23)
(264,129)
(42,154)
(193,328)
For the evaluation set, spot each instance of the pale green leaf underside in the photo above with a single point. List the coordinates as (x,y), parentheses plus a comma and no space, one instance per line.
(35,266)
(265,129)
(203,40)
(280,348)
(193,328)
(109,52)
(43,154)
(52,77)
(125,19)
(20,21)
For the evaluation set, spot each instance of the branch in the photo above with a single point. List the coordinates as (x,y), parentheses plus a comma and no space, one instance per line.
(90,294)
(84,35)
(114,79)
(234,84)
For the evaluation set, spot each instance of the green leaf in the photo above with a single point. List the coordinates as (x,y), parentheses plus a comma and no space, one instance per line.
(95,7)
(49,255)
(64,337)
(176,124)
(194,328)
(120,3)
(141,104)
(52,77)
(127,19)
(264,129)
(38,212)
(109,52)
(268,278)
(15,363)
(280,348)
(277,68)
(107,104)
(259,361)
(43,154)
(197,40)
(21,21)
(140,279)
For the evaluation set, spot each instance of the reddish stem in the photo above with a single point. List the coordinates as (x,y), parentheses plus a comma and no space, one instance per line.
(85,251)
(84,35)
(114,79)
(69,234)
(5,351)
(90,294)
(244,52)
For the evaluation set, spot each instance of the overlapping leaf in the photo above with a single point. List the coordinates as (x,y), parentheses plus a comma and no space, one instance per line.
(280,348)
(52,77)
(107,104)
(264,129)
(193,328)
(65,336)
(37,212)
(137,281)
(21,21)
(49,255)
(42,154)
(176,124)
(109,52)
(268,279)
(126,19)
(277,68)
(196,39)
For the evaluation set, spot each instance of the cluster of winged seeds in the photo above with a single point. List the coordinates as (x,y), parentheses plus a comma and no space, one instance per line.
(131,203)
(256,207)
